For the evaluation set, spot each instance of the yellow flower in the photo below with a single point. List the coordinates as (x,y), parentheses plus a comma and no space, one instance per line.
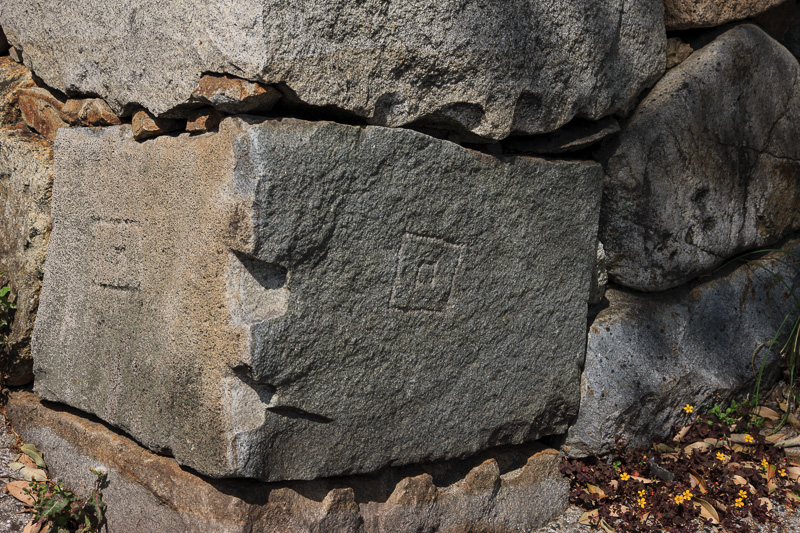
(624,476)
(739,502)
(641,493)
(687,495)
(688,408)
(742,494)
(679,499)
(641,502)
(764,463)
(782,472)
(720,456)
(748,439)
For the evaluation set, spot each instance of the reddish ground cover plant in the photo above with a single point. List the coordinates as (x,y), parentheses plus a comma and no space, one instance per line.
(722,468)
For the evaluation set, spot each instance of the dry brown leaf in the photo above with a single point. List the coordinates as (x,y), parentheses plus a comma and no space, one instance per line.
(738,448)
(697,481)
(769,414)
(642,479)
(719,506)
(793,496)
(27,461)
(614,484)
(741,438)
(35,527)
(594,489)
(793,472)
(771,469)
(707,510)
(699,446)
(711,441)
(606,527)
(739,480)
(682,433)
(766,502)
(29,474)
(772,486)
(589,517)
(776,438)
(788,443)
(17,489)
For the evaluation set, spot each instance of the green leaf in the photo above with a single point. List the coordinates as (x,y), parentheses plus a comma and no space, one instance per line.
(31,451)
(54,507)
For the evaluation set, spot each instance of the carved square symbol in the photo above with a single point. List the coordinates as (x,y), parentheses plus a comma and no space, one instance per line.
(117,254)
(426,273)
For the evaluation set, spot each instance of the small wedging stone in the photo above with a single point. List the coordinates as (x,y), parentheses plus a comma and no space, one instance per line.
(708,165)
(287,299)
(13,76)
(89,112)
(685,14)
(203,120)
(41,111)
(492,69)
(26,178)
(648,355)
(516,489)
(234,95)
(145,125)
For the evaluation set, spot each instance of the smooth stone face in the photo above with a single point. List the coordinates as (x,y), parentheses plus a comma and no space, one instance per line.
(517,489)
(290,300)
(685,14)
(649,355)
(708,165)
(487,68)
(26,178)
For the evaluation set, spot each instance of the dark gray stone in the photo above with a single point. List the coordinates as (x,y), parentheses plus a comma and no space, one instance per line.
(491,69)
(289,300)
(648,355)
(707,167)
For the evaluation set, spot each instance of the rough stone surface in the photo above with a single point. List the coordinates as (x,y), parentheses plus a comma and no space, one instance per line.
(288,300)
(488,68)
(13,76)
(234,95)
(89,112)
(708,165)
(26,176)
(41,111)
(677,51)
(507,490)
(649,355)
(203,120)
(685,14)
(145,125)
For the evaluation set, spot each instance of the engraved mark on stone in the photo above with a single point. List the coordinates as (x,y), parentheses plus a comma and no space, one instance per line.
(426,273)
(118,253)
(257,289)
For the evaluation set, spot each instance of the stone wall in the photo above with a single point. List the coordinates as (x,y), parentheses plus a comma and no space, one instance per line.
(321,246)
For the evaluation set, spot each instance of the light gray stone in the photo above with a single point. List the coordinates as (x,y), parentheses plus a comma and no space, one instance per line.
(487,68)
(648,355)
(505,490)
(684,14)
(600,277)
(288,300)
(707,167)
(26,178)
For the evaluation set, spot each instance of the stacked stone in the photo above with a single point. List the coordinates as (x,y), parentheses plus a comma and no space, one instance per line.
(310,244)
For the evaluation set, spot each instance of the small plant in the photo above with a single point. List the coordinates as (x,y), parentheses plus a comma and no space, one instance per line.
(728,416)
(57,509)
(6,309)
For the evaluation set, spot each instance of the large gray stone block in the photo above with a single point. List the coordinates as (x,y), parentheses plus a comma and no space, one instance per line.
(648,355)
(489,68)
(708,165)
(288,300)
